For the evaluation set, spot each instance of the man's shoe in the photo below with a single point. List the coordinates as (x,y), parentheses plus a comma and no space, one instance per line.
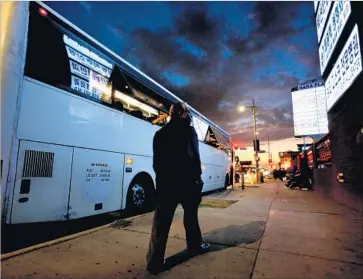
(155,269)
(203,248)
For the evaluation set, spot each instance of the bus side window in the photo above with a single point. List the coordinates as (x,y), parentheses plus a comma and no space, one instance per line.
(46,57)
(134,103)
(211,138)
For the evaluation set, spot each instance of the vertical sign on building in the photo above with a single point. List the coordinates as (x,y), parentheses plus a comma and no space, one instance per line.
(337,20)
(322,16)
(316,3)
(346,69)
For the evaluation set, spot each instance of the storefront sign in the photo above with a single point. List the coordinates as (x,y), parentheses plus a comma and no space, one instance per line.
(323,152)
(309,110)
(310,159)
(338,18)
(309,85)
(346,69)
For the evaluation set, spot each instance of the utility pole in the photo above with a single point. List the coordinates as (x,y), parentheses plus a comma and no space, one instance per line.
(253,108)
(268,146)
(255,137)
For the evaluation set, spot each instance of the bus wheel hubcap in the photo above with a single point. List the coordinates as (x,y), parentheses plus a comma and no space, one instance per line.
(138,196)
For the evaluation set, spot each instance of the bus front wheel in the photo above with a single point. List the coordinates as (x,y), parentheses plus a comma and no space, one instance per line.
(141,196)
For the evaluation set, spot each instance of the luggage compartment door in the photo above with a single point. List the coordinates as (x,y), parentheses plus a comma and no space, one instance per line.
(42,183)
(96,183)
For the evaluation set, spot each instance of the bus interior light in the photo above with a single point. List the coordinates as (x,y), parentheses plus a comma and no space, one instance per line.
(135,103)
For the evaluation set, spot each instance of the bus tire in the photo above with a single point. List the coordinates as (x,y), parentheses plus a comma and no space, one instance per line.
(226,181)
(141,196)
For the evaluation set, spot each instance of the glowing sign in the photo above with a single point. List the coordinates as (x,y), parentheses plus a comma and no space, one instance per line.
(322,16)
(85,88)
(316,3)
(346,69)
(309,111)
(86,73)
(68,41)
(87,62)
(337,20)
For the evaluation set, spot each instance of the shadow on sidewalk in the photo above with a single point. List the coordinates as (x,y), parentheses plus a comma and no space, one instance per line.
(222,238)
(235,235)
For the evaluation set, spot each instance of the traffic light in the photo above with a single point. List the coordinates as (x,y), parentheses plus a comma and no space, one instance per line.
(256,145)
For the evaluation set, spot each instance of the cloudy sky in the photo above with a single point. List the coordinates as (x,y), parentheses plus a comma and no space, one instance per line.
(214,55)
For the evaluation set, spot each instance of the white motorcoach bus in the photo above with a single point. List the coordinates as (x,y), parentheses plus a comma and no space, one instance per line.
(78,123)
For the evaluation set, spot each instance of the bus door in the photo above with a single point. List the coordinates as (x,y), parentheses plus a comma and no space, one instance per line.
(42,183)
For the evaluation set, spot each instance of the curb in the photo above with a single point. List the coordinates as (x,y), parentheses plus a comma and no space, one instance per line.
(52,242)
(59,240)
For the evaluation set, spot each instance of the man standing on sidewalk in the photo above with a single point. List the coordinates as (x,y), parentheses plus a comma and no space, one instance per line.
(178,172)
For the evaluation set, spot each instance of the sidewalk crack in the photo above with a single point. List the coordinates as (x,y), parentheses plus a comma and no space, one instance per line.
(263,233)
(314,257)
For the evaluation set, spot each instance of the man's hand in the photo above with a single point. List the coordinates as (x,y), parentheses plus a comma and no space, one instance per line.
(200,184)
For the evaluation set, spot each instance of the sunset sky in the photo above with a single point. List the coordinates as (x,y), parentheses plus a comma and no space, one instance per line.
(215,55)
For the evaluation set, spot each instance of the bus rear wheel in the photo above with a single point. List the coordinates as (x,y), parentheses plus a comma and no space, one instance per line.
(140,196)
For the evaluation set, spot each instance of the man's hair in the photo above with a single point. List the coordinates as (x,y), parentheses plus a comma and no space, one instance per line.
(177,109)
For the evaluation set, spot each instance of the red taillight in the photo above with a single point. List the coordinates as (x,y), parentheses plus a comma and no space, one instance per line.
(43,12)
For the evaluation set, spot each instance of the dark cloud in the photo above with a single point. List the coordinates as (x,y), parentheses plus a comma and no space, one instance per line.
(200,29)
(273,24)
(217,85)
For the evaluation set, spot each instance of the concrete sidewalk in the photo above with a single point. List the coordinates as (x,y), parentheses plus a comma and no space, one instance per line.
(271,232)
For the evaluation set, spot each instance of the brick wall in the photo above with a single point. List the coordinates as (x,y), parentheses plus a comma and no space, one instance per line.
(345,120)
(326,183)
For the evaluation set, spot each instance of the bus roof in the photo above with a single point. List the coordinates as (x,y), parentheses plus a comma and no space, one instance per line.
(149,81)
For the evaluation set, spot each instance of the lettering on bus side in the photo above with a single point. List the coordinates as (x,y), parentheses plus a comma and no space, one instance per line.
(98,172)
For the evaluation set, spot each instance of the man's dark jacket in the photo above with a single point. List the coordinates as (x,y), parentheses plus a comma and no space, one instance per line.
(176,158)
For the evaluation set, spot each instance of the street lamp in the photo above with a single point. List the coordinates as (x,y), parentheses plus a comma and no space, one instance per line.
(255,133)
(242,108)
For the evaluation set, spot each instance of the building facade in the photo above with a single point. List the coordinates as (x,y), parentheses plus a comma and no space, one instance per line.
(339,172)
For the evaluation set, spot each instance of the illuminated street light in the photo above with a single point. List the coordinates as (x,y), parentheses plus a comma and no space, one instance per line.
(255,133)
(242,108)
